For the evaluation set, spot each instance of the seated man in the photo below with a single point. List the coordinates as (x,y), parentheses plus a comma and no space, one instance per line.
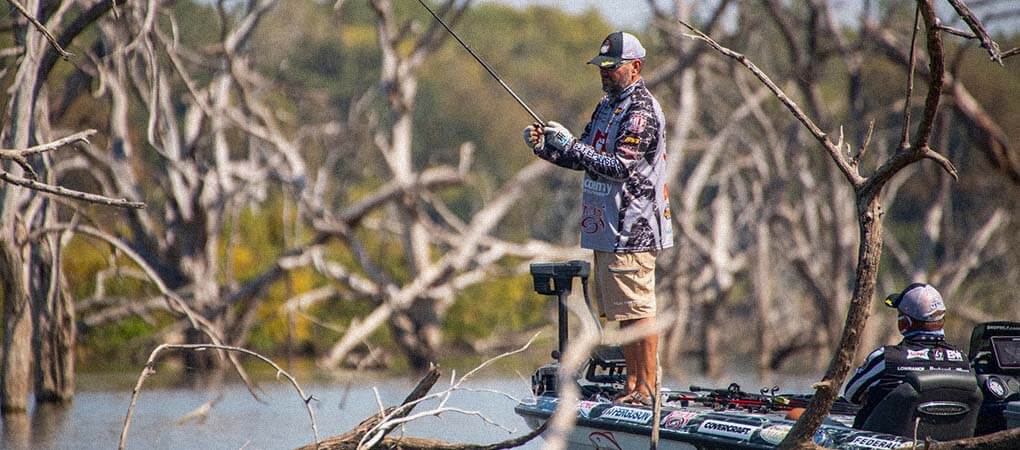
(924,347)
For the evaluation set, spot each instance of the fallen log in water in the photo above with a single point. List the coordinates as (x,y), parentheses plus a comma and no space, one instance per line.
(389,419)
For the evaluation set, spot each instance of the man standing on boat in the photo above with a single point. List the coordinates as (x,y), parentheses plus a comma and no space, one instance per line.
(922,315)
(625,216)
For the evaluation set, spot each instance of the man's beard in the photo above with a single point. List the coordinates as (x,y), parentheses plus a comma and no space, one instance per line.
(611,88)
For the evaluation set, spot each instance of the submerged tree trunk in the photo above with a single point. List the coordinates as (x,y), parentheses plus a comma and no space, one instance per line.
(417,332)
(710,363)
(16,371)
(54,326)
(762,289)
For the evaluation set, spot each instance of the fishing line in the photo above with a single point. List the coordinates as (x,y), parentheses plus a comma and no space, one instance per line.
(486,66)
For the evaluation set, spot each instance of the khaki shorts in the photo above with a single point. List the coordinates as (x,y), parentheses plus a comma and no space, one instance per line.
(625,284)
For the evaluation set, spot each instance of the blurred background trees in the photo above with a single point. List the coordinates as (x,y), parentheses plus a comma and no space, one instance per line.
(342,183)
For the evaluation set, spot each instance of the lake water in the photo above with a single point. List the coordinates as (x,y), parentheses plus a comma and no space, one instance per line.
(280,421)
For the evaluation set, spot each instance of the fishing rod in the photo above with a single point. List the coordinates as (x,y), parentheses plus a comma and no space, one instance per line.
(486,66)
(767,400)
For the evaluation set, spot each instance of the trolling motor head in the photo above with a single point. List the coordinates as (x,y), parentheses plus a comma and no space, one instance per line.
(557,278)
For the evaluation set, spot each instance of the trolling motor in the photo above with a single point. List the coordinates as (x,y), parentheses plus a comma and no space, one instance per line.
(606,366)
(557,279)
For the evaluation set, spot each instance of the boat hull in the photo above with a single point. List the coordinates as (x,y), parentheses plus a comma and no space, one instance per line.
(606,426)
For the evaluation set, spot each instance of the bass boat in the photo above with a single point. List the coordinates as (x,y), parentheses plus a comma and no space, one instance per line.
(707,418)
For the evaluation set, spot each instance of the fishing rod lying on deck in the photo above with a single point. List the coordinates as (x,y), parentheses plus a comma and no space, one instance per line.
(486,66)
(766,401)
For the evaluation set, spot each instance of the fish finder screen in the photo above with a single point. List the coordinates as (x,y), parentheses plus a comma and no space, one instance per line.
(1007,351)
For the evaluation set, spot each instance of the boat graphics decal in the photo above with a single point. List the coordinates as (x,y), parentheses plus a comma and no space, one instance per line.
(604,440)
(727,429)
(625,414)
(548,403)
(774,434)
(584,408)
(872,442)
(676,420)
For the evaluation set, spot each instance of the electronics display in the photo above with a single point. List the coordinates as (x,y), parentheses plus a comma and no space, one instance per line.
(1007,351)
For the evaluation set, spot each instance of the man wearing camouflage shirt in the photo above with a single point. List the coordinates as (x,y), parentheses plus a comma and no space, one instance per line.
(625,216)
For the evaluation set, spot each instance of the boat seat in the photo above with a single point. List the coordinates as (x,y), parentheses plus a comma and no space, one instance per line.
(947,402)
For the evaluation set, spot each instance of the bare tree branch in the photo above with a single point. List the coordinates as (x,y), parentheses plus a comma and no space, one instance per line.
(42,29)
(70,193)
(150,368)
(978,28)
(849,171)
(905,134)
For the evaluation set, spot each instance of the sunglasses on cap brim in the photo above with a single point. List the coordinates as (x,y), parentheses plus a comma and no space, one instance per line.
(893,300)
(609,65)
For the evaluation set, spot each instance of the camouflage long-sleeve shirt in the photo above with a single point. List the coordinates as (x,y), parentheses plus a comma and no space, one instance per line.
(625,199)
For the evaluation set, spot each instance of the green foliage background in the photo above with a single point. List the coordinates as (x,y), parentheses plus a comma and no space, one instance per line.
(320,61)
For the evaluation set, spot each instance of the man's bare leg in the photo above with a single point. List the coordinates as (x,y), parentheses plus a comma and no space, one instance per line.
(640,357)
(630,352)
(647,370)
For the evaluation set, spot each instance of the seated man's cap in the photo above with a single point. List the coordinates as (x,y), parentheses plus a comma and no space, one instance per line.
(919,301)
(617,48)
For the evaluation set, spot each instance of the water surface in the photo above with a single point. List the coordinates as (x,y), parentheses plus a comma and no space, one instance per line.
(280,421)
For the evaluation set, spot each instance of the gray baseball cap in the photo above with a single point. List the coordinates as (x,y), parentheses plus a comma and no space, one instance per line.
(919,301)
(617,48)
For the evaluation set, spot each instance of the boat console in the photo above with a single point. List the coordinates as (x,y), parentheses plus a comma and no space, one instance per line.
(995,357)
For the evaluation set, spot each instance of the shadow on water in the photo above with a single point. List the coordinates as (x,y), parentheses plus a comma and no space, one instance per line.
(280,420)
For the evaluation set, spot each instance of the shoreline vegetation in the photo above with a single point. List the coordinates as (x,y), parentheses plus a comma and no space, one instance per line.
(354,191)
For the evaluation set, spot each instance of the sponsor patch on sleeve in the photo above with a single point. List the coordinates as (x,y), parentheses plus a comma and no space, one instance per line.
(637,123)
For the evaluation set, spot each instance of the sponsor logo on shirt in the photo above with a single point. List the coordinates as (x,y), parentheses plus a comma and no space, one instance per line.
(918,354)
(624,414)
(636,124)
(595,187)
(677,419)
(634,140)
(954,355)
(599,143)
(592,219)
(869,442)
(733,430)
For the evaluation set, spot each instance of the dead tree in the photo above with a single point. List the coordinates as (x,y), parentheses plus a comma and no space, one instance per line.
(441,257)
(869,202)
(36,306)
